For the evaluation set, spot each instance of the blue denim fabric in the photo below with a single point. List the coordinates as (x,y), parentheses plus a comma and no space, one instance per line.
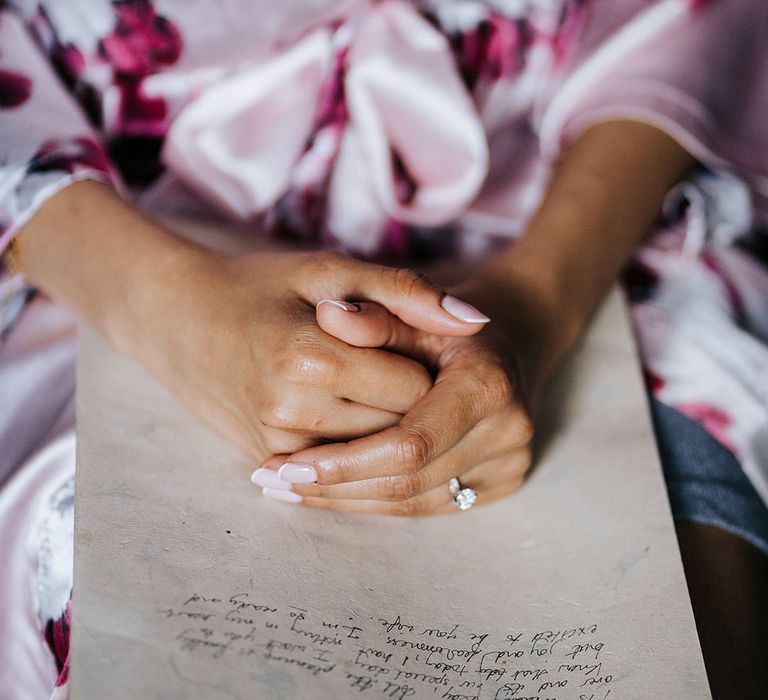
(705,481)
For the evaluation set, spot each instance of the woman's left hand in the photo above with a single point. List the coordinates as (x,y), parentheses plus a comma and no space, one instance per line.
(474,424)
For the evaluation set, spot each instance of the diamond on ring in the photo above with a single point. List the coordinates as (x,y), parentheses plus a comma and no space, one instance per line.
(464,497)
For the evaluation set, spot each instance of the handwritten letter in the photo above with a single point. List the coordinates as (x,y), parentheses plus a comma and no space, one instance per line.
(190,585)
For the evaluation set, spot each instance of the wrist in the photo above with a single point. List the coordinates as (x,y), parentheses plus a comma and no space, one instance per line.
(545,287)
(155,295)
(91,250)
(529,305)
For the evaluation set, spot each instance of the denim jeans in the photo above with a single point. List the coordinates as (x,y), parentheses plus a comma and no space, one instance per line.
(704,479)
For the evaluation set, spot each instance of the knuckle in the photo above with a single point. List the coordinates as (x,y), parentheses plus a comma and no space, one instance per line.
(322,262)
(515,465)
(408,282)
(524,428)
(493,390)
(306,367)
(499,387)
(414,450)
(516,429)
(281,414)
(401,487)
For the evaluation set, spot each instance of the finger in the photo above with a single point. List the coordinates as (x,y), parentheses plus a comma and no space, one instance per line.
(453,463)
(470,386)
(491,480)
(310,413)
(490,492)
(369,376)
(405,293)
(382,380)
(435,424)
(348,420)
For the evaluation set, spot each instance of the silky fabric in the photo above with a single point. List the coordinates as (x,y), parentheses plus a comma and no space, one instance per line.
(237,141)
(385,129)
(37,460)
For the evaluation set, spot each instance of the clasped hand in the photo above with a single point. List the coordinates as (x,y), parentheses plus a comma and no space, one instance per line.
(370,387)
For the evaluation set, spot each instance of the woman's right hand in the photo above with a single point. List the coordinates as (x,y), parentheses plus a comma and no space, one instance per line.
(236,338)
(239,342)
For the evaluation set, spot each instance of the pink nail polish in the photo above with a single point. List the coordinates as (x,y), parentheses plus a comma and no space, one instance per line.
(344,305)
(297,473)
(268,478)
(281,495)
(463,311)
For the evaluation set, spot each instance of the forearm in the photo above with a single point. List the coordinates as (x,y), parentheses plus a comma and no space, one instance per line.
(89,249)
(604,195)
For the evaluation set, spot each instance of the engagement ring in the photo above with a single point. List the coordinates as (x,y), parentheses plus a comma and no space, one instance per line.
(463,497)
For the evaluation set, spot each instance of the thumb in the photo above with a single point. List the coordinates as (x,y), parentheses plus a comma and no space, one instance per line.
(415,299)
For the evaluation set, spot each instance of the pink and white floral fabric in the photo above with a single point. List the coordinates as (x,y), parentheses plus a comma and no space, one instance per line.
(396,129)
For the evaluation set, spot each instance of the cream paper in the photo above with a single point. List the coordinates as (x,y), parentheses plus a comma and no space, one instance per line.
(189,584)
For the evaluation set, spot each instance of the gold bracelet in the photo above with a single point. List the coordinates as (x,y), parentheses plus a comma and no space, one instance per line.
(13,256)
(11,259)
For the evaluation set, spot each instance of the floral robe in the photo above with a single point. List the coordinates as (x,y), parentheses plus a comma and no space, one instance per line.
(391,129)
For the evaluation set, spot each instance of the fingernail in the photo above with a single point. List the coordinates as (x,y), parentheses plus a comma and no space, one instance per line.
(344,305)
(461,310)
(281,495)
(268,478)
(297,473)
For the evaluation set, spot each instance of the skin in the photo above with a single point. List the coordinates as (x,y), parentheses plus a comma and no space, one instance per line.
(727,580)
(234,337)
(389,402)
(241,341)
(475,421)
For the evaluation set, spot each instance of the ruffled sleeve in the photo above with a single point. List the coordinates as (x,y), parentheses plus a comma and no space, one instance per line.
(697,69)
(46,142)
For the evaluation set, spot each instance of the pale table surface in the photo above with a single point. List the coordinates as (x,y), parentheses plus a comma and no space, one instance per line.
(189,584)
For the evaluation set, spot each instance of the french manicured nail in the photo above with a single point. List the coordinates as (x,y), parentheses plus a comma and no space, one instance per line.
(344,305)
(461,310)
(297,473)
(268,478)
(281,495)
